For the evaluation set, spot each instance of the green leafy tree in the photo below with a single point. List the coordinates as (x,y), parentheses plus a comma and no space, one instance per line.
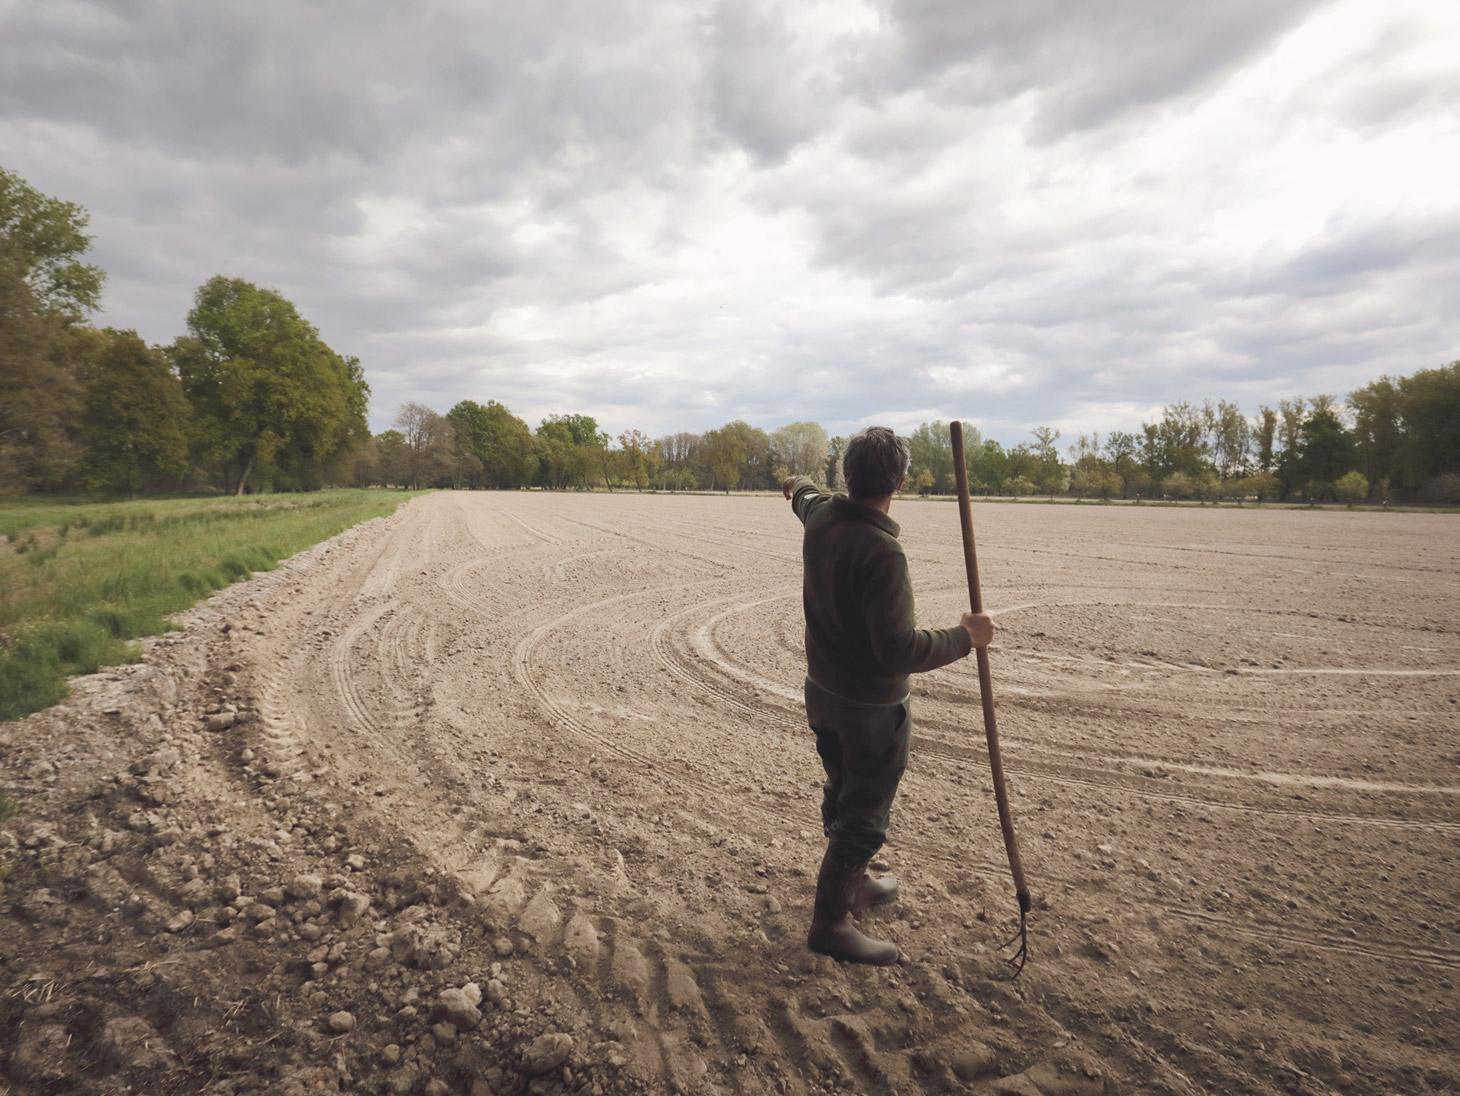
(1351,487)
(1180,440)
(641,456)
(470,427)
(1442,490)
(1230,437)
(724,453)
(40,395)
(802,448)
(392,459)
(1431,409)
(1265,437)
(1178,485)
(610,460)
(1121,453)
(509,460)
(931,448)
(1325,452)
(1291,414)
(264,387)
(46,237)
(834,450)
(1263,485)
(1050,474)
(1378,410)
(134,429)
(499,440)
(989,465)
(568,449)
(1095,479)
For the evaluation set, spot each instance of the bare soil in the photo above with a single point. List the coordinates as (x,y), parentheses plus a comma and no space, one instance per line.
(513,793)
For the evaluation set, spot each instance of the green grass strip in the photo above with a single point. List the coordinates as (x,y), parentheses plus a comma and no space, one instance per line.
(80,580)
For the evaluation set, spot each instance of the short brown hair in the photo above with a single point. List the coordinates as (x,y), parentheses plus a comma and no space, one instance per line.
(875,462)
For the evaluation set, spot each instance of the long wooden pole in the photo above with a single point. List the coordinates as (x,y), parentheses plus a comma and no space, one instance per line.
(986,692)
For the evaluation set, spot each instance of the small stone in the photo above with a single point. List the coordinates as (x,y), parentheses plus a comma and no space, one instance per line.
(304,887)
(390,1055)
(272,896)
(180,920)
(473,993)
(195,893)
(547,1052)
(496,992)
(456,1007)
(222,721)
(355,862)
(437,1087)
(310,932)
(503,946)
(444,1034)
(353,907)
(541,918)
(342,1022)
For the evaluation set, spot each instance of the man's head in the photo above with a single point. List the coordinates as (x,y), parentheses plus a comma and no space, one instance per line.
(875,462)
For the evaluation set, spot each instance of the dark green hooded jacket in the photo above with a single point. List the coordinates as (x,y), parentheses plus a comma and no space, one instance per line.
(862,639)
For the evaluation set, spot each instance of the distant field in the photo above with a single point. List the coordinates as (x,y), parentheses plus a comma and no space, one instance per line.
(79,580)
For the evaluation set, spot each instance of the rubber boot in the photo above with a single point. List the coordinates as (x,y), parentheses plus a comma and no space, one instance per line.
(872,892)
(832,932)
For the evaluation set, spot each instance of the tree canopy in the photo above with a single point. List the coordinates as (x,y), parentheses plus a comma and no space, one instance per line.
(264,387)
(47,237)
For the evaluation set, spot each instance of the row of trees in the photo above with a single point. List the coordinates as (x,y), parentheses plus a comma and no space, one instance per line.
(1397,438)
(475,445)
(250,397)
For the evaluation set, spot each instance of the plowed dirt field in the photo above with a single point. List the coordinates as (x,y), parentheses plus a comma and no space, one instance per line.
(566,731)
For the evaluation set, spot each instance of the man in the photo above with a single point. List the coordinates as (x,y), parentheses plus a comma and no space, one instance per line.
(862,642)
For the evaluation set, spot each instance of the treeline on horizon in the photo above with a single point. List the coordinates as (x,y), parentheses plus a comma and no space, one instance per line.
(1394,439)
(251,399)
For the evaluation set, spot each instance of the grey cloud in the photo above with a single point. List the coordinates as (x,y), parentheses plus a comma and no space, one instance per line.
(1087,62)
(299,82)
(760,93)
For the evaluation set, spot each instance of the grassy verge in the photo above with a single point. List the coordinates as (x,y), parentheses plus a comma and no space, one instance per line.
(78,581)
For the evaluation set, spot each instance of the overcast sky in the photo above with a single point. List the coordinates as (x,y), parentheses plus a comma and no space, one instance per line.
(671,215)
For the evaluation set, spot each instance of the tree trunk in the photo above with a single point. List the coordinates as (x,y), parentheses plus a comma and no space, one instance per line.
(243,477)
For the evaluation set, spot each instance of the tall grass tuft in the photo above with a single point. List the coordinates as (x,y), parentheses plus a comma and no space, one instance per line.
(74,604)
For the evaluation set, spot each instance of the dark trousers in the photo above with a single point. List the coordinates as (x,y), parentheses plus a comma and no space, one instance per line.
(864,749)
